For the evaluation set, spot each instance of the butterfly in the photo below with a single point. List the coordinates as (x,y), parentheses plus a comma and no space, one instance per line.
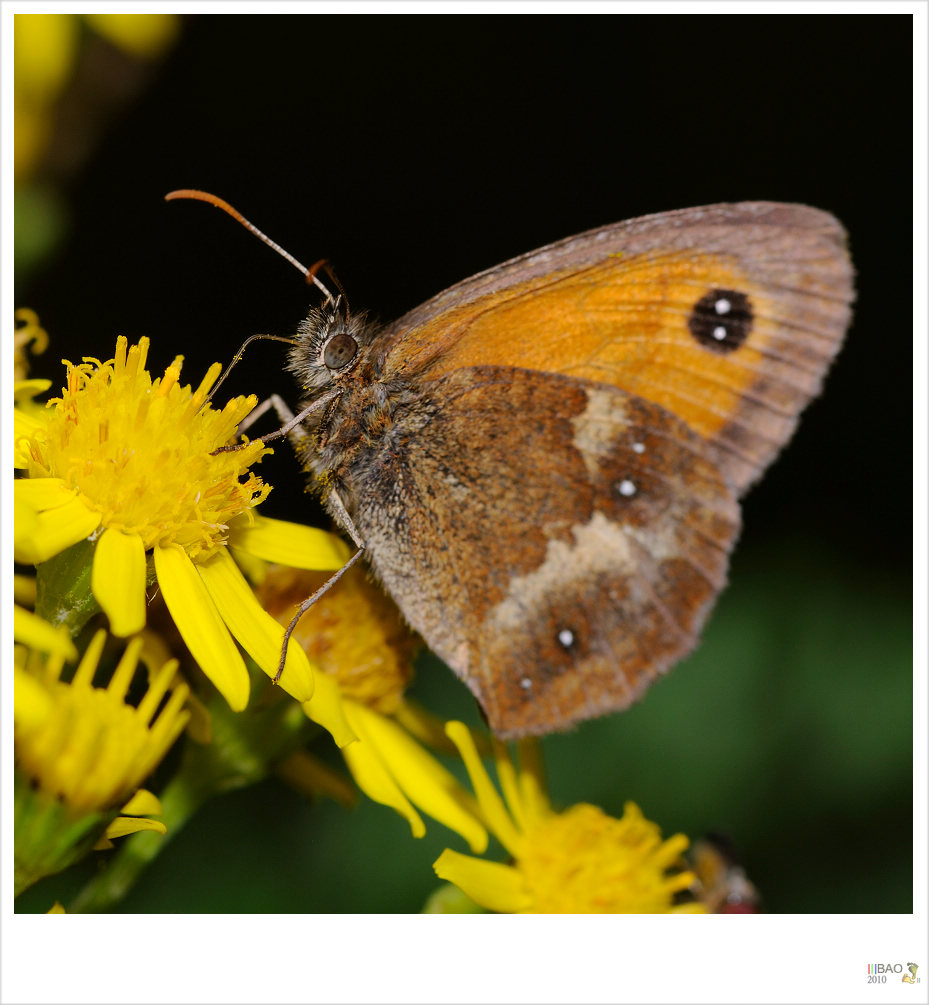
(543,464)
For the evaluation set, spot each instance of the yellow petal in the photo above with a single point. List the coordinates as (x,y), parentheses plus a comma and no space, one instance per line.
(37,633)
(680,881)
(429,785)
(42,493)
(41,535)
(534,800)
(118,580)
(56,908)
(509,784)
(143,803)
(495,814)
(90,660)
(154,652)
(490,884)
(670,851)
(141,35)
(24,427)
(325,707)
(373,778)
(311,777)
(254,568)
(122,826)
(199,623)
(259,634)
(291,544)
(24,590)
(429,729)
(125,670)
(45,46)
(24,390)
(32,704)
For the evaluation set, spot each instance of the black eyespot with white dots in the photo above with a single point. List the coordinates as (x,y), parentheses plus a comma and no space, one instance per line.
(340,351)
(721,320)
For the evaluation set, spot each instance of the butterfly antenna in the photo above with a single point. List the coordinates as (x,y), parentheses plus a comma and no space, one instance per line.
(238,357)
(330,272)
(214,200)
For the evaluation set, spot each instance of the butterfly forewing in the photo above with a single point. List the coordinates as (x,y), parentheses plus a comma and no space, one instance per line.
(727,316)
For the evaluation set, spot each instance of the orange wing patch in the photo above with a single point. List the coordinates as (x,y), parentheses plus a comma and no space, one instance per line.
(646,324)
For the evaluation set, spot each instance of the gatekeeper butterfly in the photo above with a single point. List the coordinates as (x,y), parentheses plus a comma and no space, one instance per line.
(543,464)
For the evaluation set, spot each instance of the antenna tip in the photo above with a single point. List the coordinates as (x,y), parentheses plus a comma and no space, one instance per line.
(189,193)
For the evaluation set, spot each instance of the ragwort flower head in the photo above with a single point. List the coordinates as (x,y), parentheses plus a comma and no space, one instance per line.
(83,744)
(136,454)
(81,752)
(130,462)
(579,861)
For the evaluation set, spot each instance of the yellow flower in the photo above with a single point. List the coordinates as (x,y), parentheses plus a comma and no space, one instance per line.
(44,54)
(353,633)
(143,36)
(363,652)
(391,768)
(580,861)
(46,49)
(85,745)
(81,752)
(35,633)
(29,334)
(28,415)
(129,462)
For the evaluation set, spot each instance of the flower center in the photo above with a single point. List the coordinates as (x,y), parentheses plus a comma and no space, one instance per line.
(139,451)
(353,632)
(584,861)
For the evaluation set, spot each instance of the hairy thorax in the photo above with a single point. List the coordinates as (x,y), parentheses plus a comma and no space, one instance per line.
(358,438)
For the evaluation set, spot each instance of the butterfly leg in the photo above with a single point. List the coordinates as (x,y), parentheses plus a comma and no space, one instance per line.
(292,423)
(292,428)
(341,514)
(286,417)
(308,603)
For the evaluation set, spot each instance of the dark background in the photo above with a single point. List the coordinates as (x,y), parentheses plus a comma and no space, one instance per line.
(413,151)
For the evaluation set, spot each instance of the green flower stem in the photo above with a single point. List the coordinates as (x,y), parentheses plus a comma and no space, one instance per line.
(49,835)
(243,750)
(179,802)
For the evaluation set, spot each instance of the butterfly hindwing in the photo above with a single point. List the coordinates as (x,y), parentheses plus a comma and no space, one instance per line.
(558,559)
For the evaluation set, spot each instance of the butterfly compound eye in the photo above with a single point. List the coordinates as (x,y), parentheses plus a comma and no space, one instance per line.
(340,351)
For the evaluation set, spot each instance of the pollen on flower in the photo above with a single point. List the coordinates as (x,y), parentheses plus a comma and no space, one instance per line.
(584,861)
(140,451)
(353,632)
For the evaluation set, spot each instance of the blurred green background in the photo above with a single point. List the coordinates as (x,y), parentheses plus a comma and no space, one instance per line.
(413,151)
